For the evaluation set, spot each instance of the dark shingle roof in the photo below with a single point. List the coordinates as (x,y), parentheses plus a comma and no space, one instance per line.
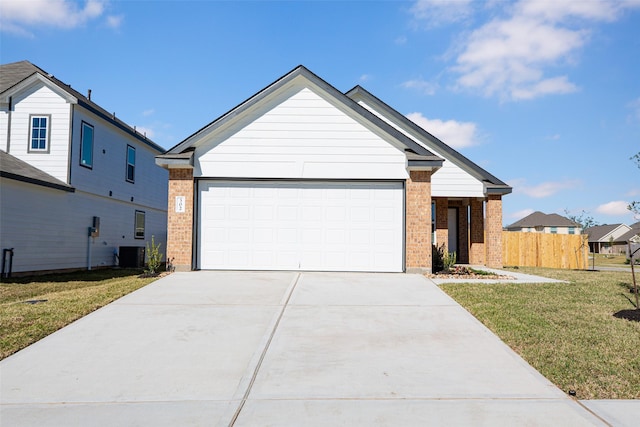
(597,232)
(492,183)
(14,73)
(13,168)
(540,219)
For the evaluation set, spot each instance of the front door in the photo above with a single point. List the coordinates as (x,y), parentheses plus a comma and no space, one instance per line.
(453,230)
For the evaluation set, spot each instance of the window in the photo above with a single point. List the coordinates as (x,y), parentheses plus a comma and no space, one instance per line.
(39,135)
(554,230)
(139,225)
(572,230)
(131,163)
(86,146)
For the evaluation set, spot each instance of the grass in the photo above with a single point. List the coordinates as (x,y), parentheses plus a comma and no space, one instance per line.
(68,297)
(566,331)
(609,260)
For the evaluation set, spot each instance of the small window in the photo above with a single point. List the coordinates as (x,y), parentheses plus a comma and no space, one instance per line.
(554,230)
(39,135)
(139,226)
(86,146)
(131,163)
(572,230)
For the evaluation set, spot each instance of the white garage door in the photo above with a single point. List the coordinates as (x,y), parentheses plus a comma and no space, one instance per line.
(313,226)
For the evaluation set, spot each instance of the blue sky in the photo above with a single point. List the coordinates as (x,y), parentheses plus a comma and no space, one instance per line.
(545,94)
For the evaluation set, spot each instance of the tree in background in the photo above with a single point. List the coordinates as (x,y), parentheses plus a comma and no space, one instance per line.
(584,220)
(635,206)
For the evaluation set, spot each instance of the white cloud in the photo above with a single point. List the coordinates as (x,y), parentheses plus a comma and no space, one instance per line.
(617,207)
(114,21)
(510,56)
(434,13)
(148,131)
(553,137)
(542,190)
(148,112)
(400,40)
(635,108)
(453,133)
(521,214)
(422,86)
(18,15)
(365,77)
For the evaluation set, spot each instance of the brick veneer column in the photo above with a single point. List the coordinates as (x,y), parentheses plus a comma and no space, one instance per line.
(180,224)
(494,231)
(418,222)
(476,233)
(463,233)
(442,222)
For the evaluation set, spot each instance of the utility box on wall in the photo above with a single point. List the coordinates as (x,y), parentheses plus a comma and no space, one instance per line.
(131,256)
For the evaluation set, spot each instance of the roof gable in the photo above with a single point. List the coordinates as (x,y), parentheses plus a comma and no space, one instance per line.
(602,233)
(492,184)
(540,219)
(18,76)
(287,86)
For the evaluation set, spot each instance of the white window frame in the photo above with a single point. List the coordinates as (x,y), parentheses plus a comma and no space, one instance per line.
(47,135)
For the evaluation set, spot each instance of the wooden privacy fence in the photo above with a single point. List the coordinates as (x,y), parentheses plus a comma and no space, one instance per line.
(568,251)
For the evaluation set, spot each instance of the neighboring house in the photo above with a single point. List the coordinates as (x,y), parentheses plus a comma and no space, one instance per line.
(632,235)
(303,177)
(65,161)
(539,222)
(608,238)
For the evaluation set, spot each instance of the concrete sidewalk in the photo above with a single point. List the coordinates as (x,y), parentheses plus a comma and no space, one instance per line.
(280,349)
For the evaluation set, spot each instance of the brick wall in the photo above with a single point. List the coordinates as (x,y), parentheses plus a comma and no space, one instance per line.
(180,224)
(494,231)
(476,233)
(418,223)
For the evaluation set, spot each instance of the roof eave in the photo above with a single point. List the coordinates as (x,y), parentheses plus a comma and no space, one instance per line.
(175,160)
(35,181)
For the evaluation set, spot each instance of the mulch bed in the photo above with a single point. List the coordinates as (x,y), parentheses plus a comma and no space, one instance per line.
(459,272)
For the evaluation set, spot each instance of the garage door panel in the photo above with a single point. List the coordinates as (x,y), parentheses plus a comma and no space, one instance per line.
(327,226)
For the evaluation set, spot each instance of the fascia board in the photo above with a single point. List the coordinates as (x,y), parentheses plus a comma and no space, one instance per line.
(359,93)
(32,80)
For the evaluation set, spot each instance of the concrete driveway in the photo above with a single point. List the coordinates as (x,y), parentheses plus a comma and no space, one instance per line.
(280,349)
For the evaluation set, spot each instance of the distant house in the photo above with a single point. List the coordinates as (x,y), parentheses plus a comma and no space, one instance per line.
(539,222)
(77,183)
(609,238)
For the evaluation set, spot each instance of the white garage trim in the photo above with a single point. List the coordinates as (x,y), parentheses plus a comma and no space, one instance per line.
(300,225)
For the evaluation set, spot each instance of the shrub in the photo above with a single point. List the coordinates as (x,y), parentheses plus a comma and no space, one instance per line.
(448,260)
(154,257)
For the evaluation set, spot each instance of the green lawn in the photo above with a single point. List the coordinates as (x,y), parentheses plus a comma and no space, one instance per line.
(68,297)
(609,260)
(567,331)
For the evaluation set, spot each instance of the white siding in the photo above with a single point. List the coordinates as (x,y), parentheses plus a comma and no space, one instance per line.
(4,118)
(41,100)
(303,136)
(48,229)
(450,180)
(110,164)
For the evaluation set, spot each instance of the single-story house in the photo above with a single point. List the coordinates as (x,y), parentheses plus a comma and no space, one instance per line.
(539,222)
(608,238)
(301,176)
